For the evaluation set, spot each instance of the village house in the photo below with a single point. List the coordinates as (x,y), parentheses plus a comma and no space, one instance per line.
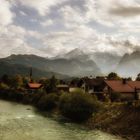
(33,87)
(92,85)
(128,90)
(89,85)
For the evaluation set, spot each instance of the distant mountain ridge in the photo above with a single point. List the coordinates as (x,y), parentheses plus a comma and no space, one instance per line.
(76,63)
(126,65)
(107,62)
(70,67)
(14,69)
(129,65)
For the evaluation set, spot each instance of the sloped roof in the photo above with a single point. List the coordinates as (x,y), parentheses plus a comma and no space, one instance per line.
(134,84)
(34,85)
(93,81)
(119,86)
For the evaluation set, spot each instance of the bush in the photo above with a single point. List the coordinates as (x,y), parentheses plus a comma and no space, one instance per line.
(37,97)
(48,102)
(78,106)
(27,98)
(78,91)
(4,86)
(15,95)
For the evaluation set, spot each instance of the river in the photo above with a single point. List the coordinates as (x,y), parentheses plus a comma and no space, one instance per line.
(22,122)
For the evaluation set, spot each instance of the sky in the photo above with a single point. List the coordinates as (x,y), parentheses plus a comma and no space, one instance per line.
(53,27)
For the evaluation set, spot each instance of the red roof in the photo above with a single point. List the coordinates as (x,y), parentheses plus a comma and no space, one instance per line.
(119,86)
(134,84)
(34,85)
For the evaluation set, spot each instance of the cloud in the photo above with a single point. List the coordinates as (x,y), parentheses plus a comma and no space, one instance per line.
(6,15)
(23,13)
(126,11)
(42,6)
(91,25)
(13,41)
(89,40)
(47,23)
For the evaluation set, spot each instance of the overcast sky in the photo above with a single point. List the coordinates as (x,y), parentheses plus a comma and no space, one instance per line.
(54,27)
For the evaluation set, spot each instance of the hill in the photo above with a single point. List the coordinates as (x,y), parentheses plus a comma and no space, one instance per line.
(13,69)
(70,67)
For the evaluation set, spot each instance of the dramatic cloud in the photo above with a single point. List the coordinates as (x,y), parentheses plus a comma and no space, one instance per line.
(126,11)
(54,27)
(6,16)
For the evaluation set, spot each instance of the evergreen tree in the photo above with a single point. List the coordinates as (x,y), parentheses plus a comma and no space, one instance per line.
(51,86)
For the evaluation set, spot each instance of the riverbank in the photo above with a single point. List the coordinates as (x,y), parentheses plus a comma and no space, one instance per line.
(119,119)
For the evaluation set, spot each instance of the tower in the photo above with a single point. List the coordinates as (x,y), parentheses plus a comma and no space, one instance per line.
(31,71)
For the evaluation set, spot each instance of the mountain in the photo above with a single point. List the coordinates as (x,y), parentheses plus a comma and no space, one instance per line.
(107,62)
(129,65)
(75,67)
(71,67)
(13,69)
(74,54)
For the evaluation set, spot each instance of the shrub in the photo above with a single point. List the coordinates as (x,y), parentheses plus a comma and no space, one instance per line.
(4,86)
(15,95)
(77,91)
(48,102)
(37,97)
(78,106)
(28,98)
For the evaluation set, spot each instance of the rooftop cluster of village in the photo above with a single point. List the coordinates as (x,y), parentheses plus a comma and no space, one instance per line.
(111,86)
(102,87)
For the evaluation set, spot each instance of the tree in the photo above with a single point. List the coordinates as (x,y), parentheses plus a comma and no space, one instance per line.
(26,80)
(51,86)
(75,81)
(129,79)
(16,81)
(5,79)
(138,77)
(113,76)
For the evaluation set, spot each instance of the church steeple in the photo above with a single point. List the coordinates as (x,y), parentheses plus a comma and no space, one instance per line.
(31,71)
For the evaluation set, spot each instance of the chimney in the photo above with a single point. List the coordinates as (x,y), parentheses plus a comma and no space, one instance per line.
(124,81)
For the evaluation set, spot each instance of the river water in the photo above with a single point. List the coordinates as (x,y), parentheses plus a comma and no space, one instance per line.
(21,122)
